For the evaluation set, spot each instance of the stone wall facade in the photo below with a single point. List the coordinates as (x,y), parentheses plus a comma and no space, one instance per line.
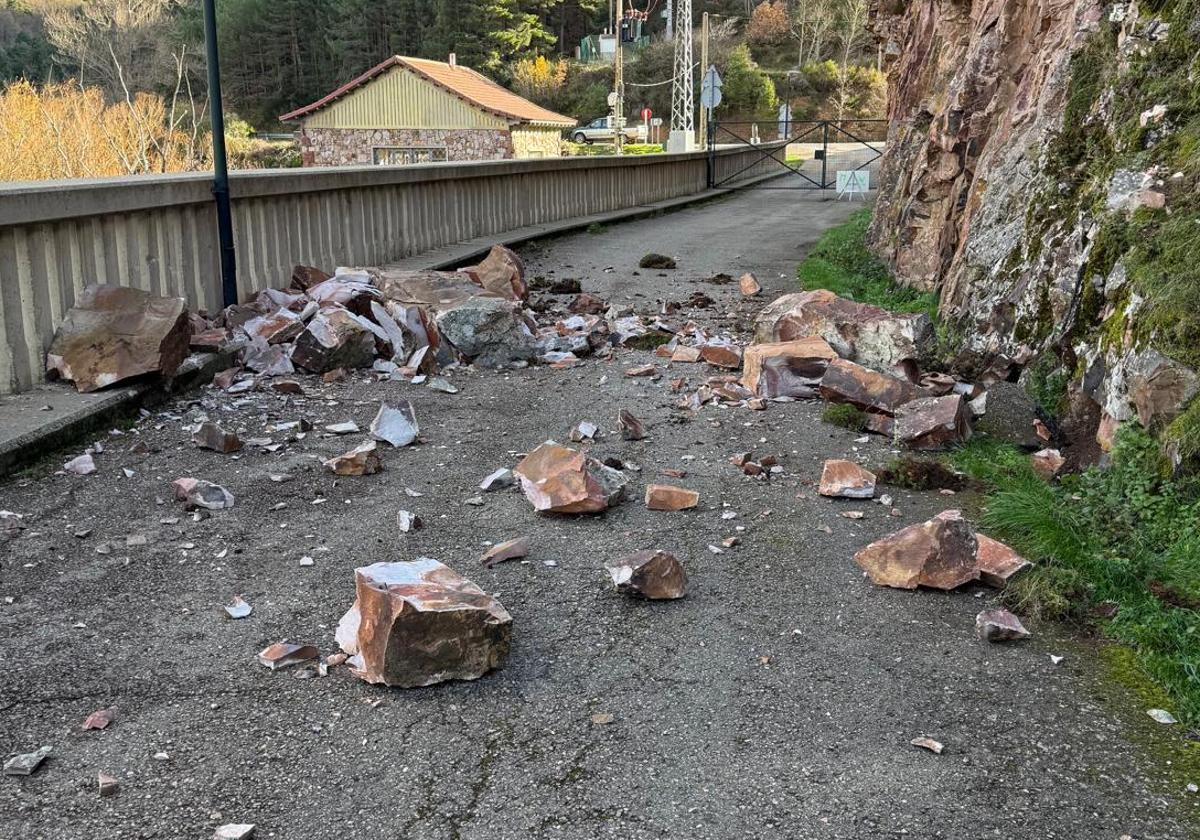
(535,142)
(356,146)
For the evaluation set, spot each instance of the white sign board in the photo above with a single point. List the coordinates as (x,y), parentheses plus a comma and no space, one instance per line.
(851,181)
(710,88)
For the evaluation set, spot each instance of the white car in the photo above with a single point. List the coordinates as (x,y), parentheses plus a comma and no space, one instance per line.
(601,130)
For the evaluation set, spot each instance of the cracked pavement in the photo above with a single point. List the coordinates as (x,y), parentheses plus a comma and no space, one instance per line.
(777,700)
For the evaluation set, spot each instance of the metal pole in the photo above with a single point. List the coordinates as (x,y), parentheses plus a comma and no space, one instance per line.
(229,288)
(824,154)
(712,153)
(702,135)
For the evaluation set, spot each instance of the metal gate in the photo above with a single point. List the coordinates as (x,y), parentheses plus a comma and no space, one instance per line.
(808,154)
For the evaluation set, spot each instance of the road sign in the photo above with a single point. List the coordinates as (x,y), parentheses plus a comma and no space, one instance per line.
(656,121)
(612,98)
(851,181)
(710,88)
(646,114)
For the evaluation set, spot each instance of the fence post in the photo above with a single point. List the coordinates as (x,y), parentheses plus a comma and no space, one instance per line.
(825,154)
(712,153)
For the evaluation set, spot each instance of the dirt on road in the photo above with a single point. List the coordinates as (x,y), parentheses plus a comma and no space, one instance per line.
(778,699)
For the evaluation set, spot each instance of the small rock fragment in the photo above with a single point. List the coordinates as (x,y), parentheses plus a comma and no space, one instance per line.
(238,607)
(510,550)
(196,493)
(234,831)
(602,719)
(82,465)
(1047,462)
(100,719)
(1160,715)
(582,431)
(348,427)
(847,480)
(669,497)
(107,785)
(284,654)
(407,521)
(933,746)
(999,625)
(748,285)
(631,427)
(363,459)
(211,436)
(500,479)
(653,574)
(397,426)
(997,562)
(25,763)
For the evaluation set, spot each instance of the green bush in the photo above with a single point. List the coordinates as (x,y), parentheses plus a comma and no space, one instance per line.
(846,416)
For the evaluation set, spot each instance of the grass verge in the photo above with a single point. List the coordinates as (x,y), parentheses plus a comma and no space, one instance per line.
(1120,547)
(841,263)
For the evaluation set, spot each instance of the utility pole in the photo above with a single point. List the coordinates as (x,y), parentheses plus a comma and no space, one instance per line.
(229,288)
(671,19)
(619,87)
(702,136)
(683,105)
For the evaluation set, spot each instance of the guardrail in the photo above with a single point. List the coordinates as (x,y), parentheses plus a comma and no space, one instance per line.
(158,232)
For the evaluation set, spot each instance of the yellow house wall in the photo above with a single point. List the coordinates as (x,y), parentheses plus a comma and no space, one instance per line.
(401,99)
(533,142)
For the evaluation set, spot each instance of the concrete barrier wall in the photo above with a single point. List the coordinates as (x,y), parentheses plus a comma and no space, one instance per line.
(158,233)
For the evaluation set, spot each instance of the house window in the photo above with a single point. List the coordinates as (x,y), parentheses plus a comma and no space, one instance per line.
(407,155)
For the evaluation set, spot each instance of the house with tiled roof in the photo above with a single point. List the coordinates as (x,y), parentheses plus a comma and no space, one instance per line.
(413,110)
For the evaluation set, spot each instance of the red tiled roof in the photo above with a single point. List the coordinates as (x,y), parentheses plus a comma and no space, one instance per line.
(473,88)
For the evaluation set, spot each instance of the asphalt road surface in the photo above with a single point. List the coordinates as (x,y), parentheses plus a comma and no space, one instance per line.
(777,700)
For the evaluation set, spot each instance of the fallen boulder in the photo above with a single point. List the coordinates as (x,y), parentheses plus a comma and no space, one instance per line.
(932,423)
(419,623)
(866,334)
(786,368)
(502,272)
(114,333)
(557,479)
(938,553)
(847,382)
(846,480)
(999,626)
(489,331)
(653,574)
(334,339)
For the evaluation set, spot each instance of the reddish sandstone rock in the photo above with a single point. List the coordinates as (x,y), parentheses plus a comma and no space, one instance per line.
(846,480)
(508,550)
(655,575)
(419,623)
(353,290)
(114,333)
(859,332)
(847,382)
(718,354)
(631,427)
(304,277)
(502,272)
(997,563)
(683,353)
(1047,462)
(557,479)
(211,436)
(669,497)
(209,340)
(748,285)
(933,422)
(786,368)
(999,626)
(333,339)
(363,459)
(938,553)
(279,327)
(585,304)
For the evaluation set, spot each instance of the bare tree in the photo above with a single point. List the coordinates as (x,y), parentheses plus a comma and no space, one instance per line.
(850,34)
(811,24)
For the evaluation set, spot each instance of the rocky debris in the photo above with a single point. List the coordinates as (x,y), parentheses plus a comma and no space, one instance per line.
(997,563)
(786,368)
(669,497)
(333,339)
(23,764)
(114,333)
(924,743)
(348,288)
(999,625)
(211,436)
(81,465)
(498,480)
(586,304)
(363,459)
(1047,463)
(869,390)
(267,359)
(932,423)
(285,654)
(346,427)
(107,785)
(234,831)
(583,431)
(859,332)
(395,426)
(846,480)
(722,355)
(238,608)
(407,521)
(419,623)
(488,331)
(748,285)
(197,493)
(278,327)
(938,553)
(631,427)
(304,277)
(641,370)
(659,261)
(653,574)
(100,719)
(1160,716)
(510,550)
(502,272)
(557,479)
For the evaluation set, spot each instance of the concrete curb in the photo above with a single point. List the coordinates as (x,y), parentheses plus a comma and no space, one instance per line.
(65,429)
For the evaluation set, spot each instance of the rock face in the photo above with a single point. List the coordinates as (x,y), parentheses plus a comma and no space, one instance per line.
(655,574)
(859,332)
(419,623)
(114,333)
(557,479)
(1013,184)
(938,553)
